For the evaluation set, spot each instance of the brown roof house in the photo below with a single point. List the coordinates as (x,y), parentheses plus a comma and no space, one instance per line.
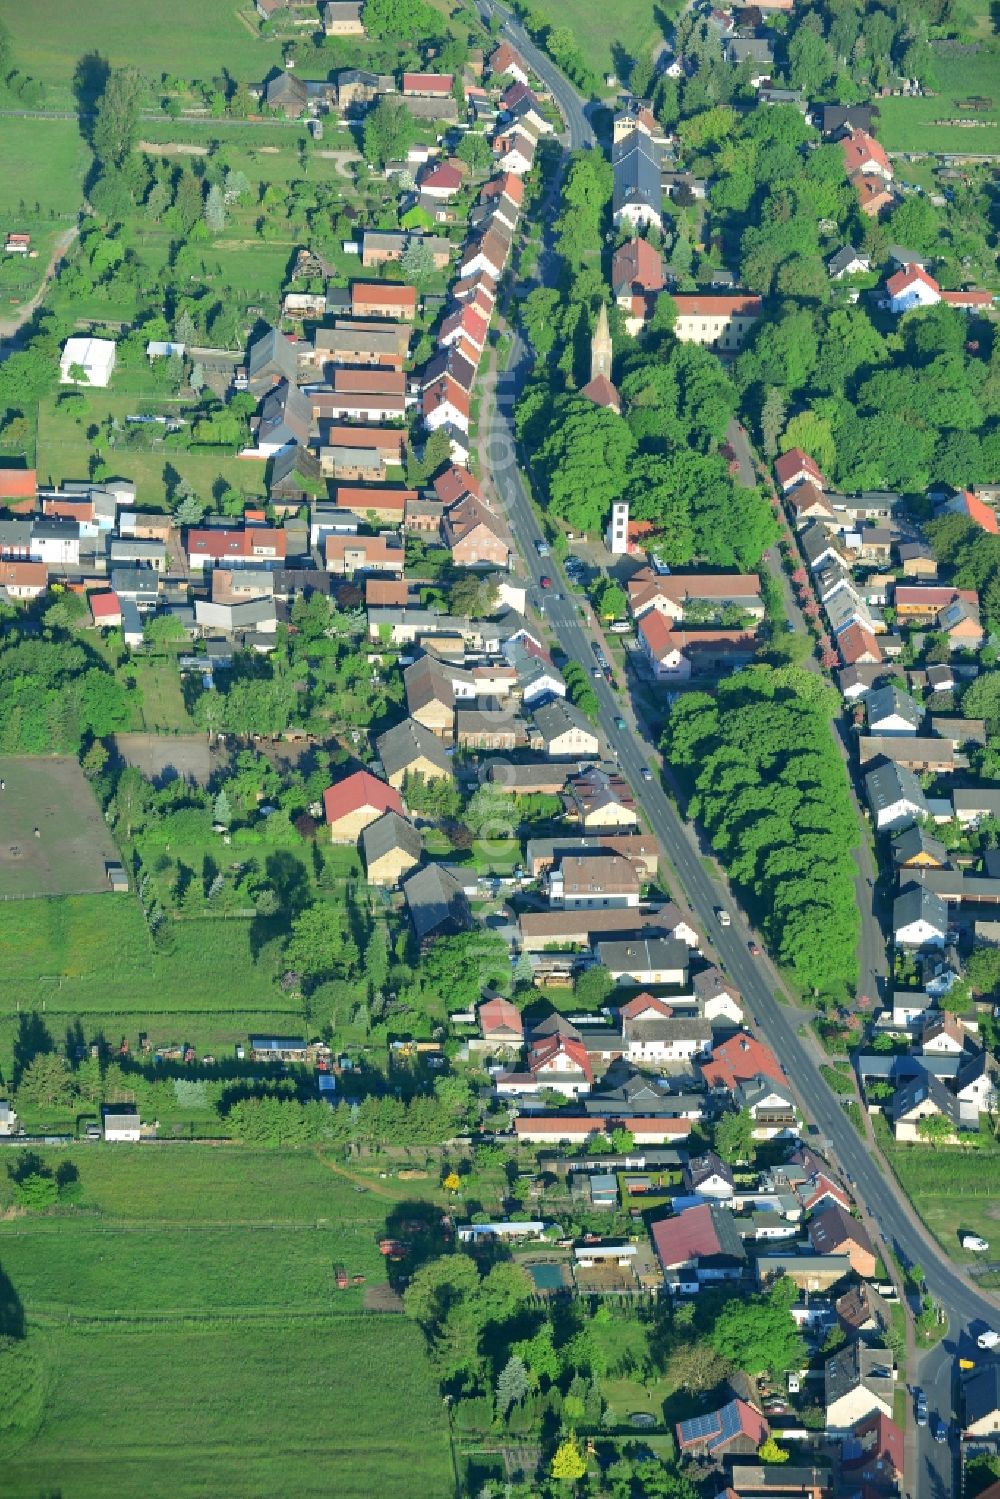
(437,903)
(834,1231)
(477,536)
(392,847)
(600,798)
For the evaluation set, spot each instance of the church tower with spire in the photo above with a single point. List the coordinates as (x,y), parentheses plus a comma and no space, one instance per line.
(600,347)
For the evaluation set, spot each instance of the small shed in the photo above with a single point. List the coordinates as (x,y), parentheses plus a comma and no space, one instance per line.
(117,878)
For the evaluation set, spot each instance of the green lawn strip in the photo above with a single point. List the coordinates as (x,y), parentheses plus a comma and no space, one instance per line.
(953,1188)
(190,40)
(262,1406)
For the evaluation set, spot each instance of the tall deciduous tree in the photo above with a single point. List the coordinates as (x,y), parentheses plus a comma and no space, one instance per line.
(116,128)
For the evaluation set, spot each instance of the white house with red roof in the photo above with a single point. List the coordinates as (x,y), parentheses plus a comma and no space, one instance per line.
(557,1062)
(912,287)
(505,62)
(106,609)
(445,404)
(501,1027)
(428,85)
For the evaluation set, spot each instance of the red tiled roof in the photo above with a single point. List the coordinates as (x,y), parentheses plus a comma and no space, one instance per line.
(446,391)
(504,57)
(17,483)
(428,83)
(361,789)
(881,1440)
(444,178)
(977,510)
(455,483)
(931,598)
(222,543)
(105,606)
(738,1060)
(393,593)
(382,294)
(968,298)
(706,305)
(500,1014)
(689,1236)
(360,500)
(637,264)
(855,642)
(909,276)
(381,439)
(641,1004)
(788,466)
(601,391)
(555,1047)
(860,148)
(16,574)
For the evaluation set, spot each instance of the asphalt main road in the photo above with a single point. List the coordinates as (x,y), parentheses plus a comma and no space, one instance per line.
(968,1311)
(578,130)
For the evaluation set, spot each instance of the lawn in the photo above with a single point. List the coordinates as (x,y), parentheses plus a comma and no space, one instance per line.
(71,854)
(600,31)
(909,124)
(64,453)
(163,707)
(954,1190)
(90,957)
(184,1317)
(42,166)
(187,38)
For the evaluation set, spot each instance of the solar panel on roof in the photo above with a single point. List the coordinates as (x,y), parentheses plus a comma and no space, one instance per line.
(729,1422)
(700,1427)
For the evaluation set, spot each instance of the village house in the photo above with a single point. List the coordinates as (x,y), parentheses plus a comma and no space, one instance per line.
(770,1106)
(410,749)
(342,18)
(717,322)
(599,798)
(699,1246)
(709,1176)
(649,960)
(392,847)
(718,997)
(565,731)
(895,797)
(120,1124)
(676,655)
(676,595)
(653,1035)
(637,199)
(741,1059)
(832,1230)
(981,1398)
(736,1430)
(437,904)
(919,918)
(859,1382)
(352,804)
(347,555)
(597,879)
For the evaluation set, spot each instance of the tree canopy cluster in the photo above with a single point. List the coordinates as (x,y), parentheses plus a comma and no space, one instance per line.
(770,788)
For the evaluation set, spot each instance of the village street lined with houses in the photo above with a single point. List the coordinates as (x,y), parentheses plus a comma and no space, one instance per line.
(499,811)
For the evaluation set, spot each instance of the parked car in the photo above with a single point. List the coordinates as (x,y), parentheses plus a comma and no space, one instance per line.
(920,1408)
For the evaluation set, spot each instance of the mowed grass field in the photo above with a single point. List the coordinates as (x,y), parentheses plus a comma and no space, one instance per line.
(75,844)
(42,167)
(600,29)
(91,957)
(185,1317)
(189,38)
(908,124)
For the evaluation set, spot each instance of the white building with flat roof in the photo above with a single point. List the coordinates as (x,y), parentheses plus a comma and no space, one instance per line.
(93,358)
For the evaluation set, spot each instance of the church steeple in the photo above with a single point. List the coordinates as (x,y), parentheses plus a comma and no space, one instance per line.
(600,347)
